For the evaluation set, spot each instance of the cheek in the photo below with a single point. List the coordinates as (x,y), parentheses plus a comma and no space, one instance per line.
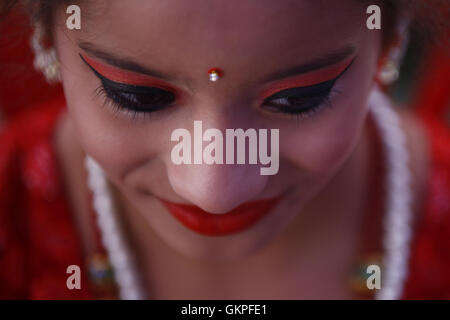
(320,144)
(114,142)
(322,150)
(113,148)
(323,143)
(118,143)
(326,142)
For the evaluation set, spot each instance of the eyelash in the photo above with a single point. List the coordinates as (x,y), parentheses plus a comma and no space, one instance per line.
(315,99)
(319,98)
(116,107)
(113,98)
(326,103)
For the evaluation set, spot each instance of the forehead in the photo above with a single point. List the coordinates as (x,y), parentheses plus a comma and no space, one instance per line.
(180,34)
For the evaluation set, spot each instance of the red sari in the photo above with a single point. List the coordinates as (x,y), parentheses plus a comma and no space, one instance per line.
(38,240)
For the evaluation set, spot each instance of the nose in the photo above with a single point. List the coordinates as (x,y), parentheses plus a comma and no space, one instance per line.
(217,188)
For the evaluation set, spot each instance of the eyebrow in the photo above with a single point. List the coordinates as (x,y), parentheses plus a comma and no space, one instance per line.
(122,62)
(317,64)
(128,64)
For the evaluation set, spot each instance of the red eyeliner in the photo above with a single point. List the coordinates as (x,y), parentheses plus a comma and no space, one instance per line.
(305,80)
(127,77)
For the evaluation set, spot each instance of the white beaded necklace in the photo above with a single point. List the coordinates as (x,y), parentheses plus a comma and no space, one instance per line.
(397,222)
(112,234)
(397,231)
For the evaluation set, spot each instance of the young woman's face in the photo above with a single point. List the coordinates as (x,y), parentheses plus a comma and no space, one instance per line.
(266,50)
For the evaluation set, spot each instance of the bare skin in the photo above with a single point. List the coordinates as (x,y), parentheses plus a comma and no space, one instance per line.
(300,271)
(307,247)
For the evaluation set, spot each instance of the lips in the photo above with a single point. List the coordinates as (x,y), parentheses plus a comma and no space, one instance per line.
(210,224)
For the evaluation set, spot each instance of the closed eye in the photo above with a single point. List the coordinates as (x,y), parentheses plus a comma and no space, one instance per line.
(137,98)
(303,101)
(300,99)
(134,99)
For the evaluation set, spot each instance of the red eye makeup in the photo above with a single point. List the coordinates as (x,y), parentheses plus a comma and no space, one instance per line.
(130,93)
(307,79)
(127,77)
(298,95)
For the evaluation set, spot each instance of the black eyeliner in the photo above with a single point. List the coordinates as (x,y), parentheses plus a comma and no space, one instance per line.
(315,96)
(121,86)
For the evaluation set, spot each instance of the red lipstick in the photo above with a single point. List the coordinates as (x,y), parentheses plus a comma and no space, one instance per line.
(210,224)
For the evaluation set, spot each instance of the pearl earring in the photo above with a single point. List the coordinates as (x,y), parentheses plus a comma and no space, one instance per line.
(390,71)
(45,59)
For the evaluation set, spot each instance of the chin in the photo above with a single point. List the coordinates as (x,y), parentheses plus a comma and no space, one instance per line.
(230,247)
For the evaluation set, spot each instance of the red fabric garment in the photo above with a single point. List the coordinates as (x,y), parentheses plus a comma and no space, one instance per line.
(433,98)
(38,240)
(431,256)
(430,261)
